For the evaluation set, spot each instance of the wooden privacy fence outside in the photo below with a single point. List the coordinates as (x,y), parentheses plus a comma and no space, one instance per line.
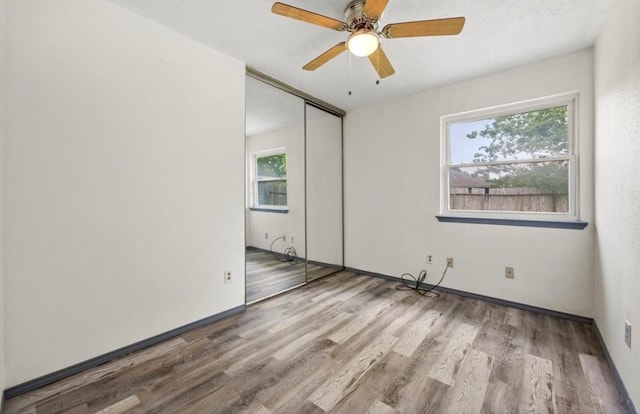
(508,199)
(272,193)
(276,198)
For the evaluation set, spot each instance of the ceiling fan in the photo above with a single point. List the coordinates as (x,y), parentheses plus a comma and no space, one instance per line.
(361,20)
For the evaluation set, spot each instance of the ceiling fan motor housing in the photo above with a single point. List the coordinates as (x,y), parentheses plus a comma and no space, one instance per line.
(356,19)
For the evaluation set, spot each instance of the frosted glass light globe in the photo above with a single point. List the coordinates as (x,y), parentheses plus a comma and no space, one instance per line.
(363,42)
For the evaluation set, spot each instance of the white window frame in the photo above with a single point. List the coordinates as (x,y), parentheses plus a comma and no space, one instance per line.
(571,101)
(254,174)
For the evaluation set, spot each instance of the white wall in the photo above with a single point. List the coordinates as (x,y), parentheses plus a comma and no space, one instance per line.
(280,224)
(617,188)
(392,158)
(2,338)
(123,182)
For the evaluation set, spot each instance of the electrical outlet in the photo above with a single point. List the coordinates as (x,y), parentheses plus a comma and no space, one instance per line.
(292,239)
(508,272)
(429,258)
(266,235)
(627,333)
(227,276)
(450,262)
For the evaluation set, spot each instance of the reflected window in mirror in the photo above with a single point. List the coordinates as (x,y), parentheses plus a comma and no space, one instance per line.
(270,179)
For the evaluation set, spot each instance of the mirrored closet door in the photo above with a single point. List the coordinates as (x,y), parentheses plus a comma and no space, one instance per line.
(293,182)
(275,210)
(324,192)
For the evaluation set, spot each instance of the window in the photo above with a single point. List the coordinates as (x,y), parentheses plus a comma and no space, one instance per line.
(516,161)
(270,179)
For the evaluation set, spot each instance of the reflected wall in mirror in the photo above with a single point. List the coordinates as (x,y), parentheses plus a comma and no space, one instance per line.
(324,192)
(275,191)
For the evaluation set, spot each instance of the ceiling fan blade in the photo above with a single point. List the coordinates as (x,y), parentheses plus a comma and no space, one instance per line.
(439,27)
(306,16)
(375,8)
(325,57)
(381,63)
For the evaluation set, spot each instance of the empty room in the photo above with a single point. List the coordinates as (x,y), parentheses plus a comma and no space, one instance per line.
(367,206)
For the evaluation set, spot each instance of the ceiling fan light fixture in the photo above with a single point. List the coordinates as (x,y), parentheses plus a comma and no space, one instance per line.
(363,42)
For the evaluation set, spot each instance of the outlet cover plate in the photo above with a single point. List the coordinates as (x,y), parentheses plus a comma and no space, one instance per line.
(508,272)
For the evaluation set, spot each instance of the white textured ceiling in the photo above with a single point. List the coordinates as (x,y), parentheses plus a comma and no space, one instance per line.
(498,34)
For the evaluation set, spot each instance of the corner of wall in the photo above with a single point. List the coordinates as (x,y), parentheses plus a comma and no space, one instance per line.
(2,29)
(617,179)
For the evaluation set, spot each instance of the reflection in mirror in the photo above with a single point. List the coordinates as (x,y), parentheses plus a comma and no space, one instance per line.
(275,200)
(324,192)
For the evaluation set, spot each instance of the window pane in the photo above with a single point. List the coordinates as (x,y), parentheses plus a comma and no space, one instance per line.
(529,135)
(272,193)
(272,166)
(533,187)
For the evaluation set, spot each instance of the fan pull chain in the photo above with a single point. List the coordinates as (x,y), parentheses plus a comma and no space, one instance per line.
(349,77)
(378,64)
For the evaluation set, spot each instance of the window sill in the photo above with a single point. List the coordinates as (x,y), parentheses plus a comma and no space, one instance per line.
(270,210)
(574,225)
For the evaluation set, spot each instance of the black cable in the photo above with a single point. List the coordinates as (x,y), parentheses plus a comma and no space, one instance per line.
(416,282)
(289,254)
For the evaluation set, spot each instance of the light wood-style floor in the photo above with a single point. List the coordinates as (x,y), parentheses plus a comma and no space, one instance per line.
(353,344)
(267,276)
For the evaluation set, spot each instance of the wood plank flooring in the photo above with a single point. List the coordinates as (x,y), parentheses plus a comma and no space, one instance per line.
(267,276)
(353,344)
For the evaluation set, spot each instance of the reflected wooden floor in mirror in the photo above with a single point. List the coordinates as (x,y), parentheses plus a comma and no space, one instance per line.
(267,275)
